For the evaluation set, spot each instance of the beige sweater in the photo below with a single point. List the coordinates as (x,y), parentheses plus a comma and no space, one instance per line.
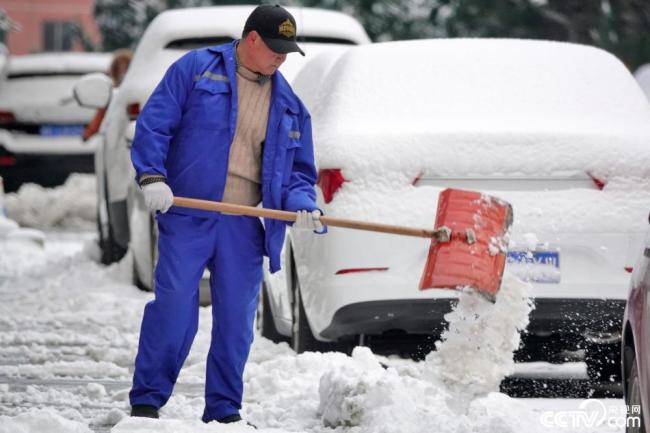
(243,184)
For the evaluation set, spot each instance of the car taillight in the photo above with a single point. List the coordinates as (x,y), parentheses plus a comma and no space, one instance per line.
(133,110)
(329,181)
(359,270)
(7,117)
(8,160)
(600,184)
(629,269)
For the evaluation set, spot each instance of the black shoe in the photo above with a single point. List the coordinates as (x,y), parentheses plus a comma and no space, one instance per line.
(144,411)
(234,418)
(230,418)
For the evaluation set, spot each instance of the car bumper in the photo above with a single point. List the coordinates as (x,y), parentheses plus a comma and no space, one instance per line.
(415,316)
(34,144)
(46,161)
(580,317)
(598,319)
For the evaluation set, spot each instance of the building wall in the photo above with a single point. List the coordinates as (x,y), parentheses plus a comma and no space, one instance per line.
(38,18)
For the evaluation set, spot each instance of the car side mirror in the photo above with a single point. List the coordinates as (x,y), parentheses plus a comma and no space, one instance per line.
(93,90)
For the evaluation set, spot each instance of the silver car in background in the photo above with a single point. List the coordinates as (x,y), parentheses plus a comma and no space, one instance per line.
(40,123)
(123,220)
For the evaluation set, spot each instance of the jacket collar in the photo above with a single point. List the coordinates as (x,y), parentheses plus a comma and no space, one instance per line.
(223,47)
(282,92)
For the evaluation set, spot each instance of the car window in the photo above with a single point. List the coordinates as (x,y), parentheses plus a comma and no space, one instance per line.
(193,43)
(37,74)
(325,40)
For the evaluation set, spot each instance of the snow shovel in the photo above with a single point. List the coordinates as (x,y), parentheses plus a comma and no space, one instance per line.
(467,248)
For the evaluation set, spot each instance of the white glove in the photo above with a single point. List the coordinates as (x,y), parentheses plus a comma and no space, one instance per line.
(158,196)
(306,220)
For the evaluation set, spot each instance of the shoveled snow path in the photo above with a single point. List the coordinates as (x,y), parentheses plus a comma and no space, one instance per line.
(68,335)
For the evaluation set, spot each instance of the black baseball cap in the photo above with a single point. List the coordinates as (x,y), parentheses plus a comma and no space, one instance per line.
(276,26)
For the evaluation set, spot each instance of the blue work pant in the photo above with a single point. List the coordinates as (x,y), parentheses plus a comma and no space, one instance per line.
(232,248)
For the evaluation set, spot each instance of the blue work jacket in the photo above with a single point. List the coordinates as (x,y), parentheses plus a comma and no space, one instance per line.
(186,127)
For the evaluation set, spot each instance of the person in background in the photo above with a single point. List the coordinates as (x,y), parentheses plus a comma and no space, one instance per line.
(117,70)
(222,125)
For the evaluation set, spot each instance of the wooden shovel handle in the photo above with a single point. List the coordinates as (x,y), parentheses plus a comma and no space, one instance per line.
(291,216)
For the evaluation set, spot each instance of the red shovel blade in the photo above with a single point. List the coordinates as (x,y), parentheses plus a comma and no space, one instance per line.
(475,256)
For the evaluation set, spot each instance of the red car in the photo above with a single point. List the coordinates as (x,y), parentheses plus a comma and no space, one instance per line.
(635,344)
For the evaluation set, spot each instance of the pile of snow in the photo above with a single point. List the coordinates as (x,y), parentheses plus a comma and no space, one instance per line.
(455,383)
(11,231)
(7,226)
(44,420)
(71,205)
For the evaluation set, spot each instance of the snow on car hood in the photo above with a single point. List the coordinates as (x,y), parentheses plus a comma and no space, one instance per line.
(484,106)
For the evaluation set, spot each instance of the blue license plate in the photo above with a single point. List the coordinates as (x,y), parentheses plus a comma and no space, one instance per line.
(536,266)
(61,130)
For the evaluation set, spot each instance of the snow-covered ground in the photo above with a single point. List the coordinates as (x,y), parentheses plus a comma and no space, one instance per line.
(72,205)
(68,336)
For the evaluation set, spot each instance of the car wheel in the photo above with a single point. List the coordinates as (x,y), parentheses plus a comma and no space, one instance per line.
(111,251)
(632,399)
(603,362)
(302,339)
(147,284)
(102,241)
(265,322)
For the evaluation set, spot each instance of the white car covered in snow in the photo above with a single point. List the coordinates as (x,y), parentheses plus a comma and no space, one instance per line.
(561,131)
(40,123)
(122,215)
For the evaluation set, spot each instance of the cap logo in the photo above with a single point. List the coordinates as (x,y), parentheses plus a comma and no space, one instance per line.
(287,29)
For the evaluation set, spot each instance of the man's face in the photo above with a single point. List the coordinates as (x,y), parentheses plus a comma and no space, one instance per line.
(265,60)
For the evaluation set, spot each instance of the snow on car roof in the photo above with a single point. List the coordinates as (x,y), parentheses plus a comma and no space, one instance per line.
(295,62)
(151,59)
(58,63)
(642,76)
(229,21)
(477,105)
